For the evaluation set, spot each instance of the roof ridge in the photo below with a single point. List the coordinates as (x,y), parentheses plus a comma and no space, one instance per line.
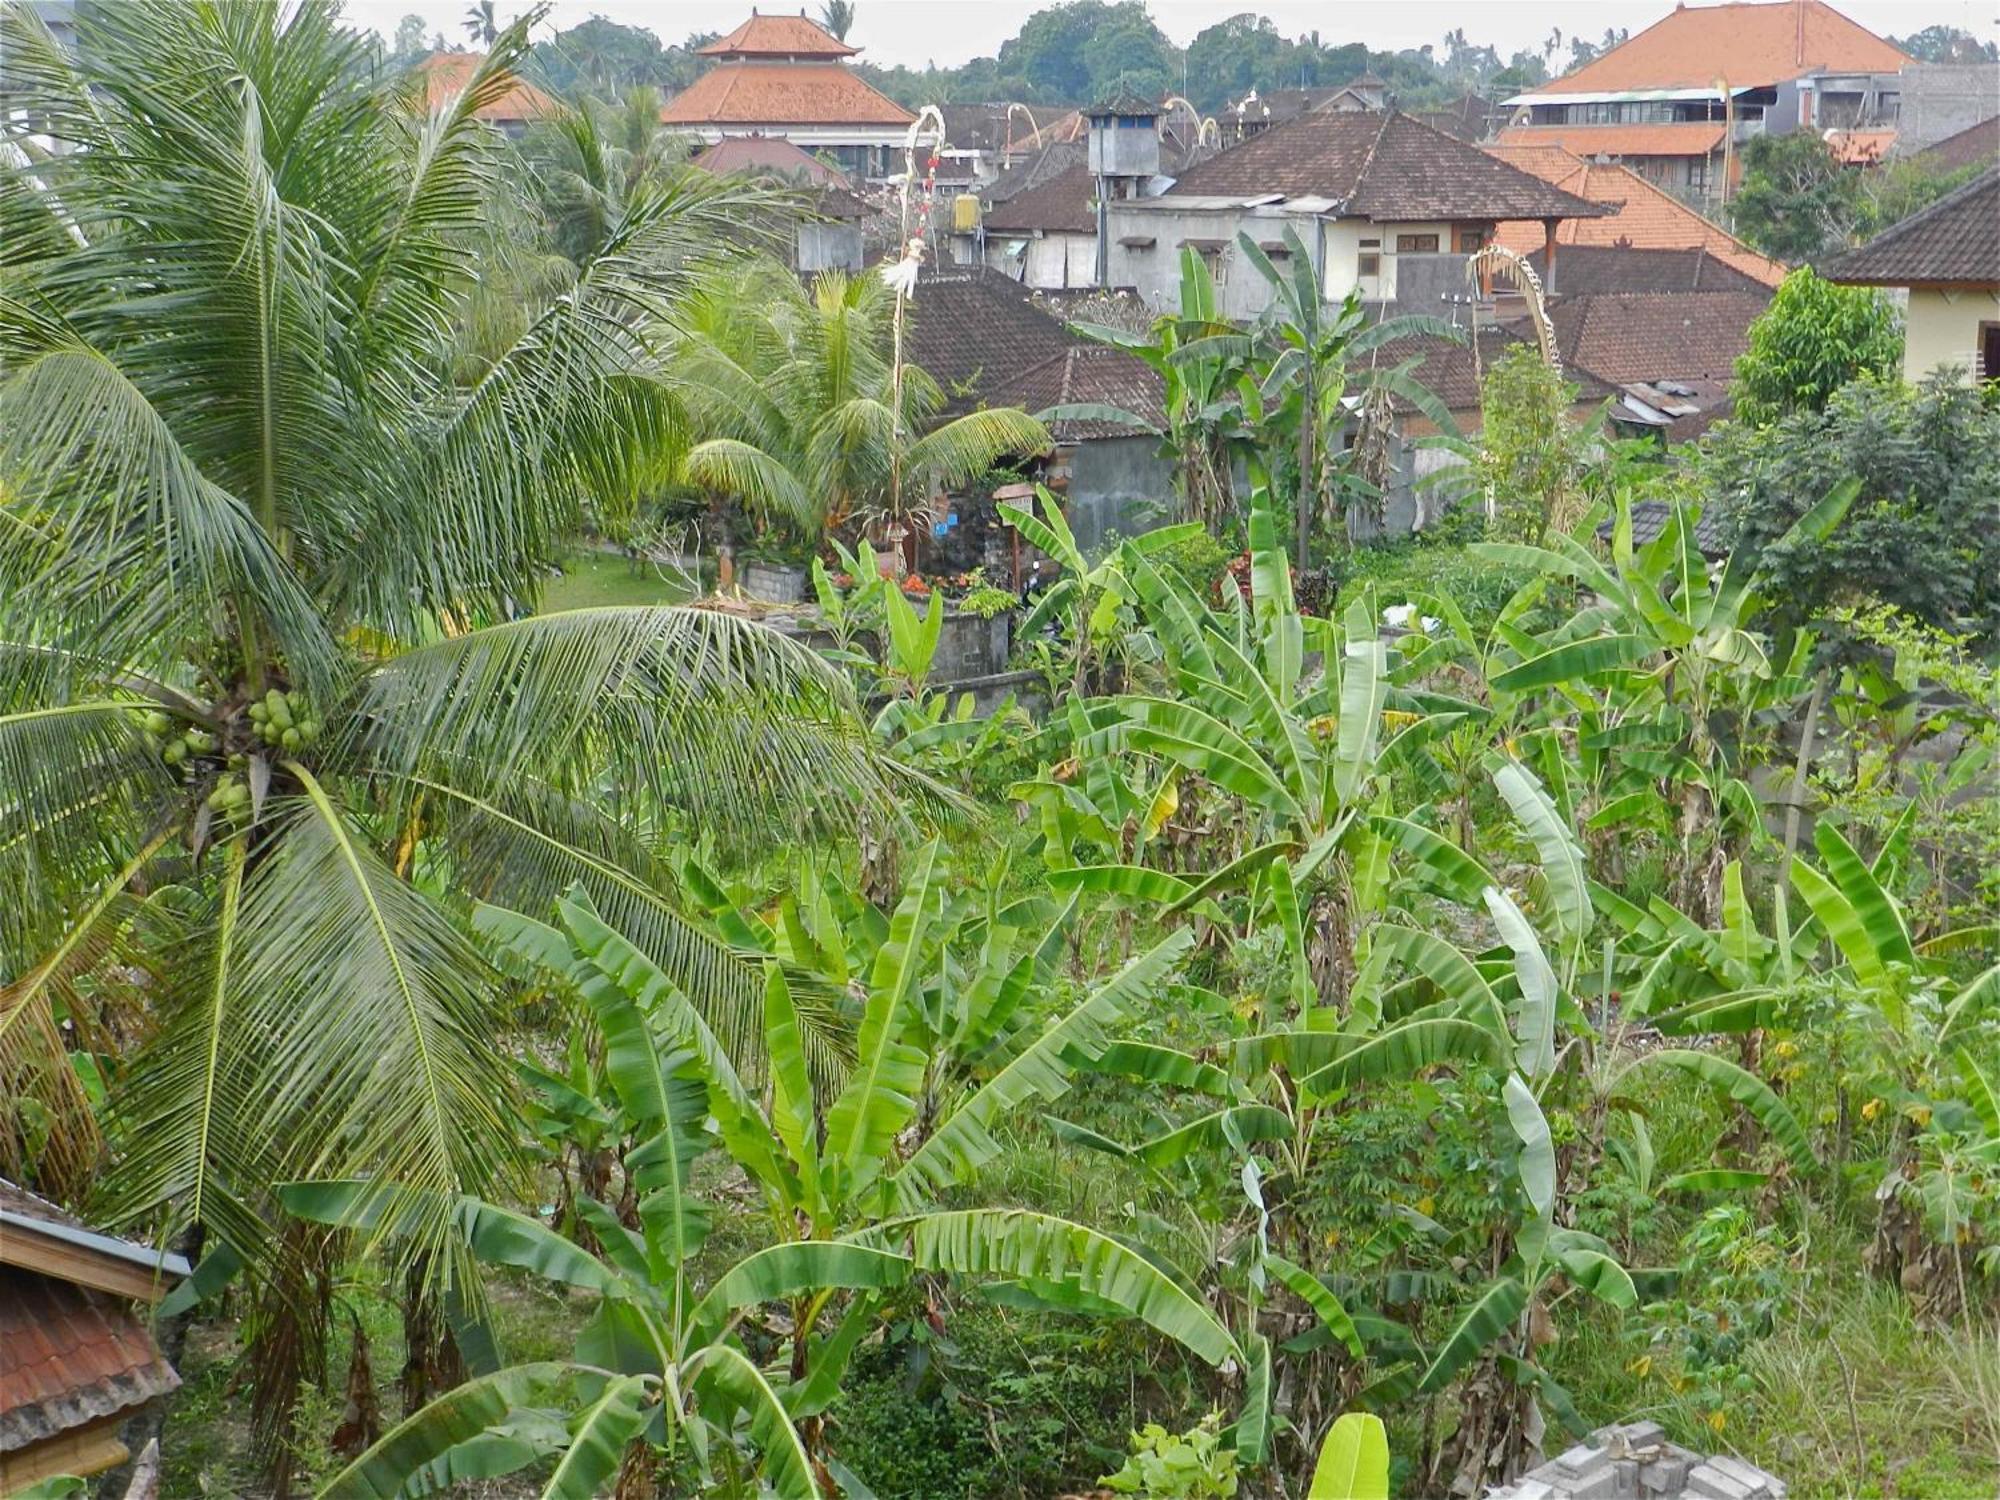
(1368,158)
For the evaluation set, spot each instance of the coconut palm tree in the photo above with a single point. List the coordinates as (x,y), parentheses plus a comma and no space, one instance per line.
(270,709)
(480,23)
(796,383)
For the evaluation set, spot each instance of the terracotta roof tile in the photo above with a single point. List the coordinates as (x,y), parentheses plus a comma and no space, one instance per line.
(973,330)
(1655,335)
(1682,138)
(445,75)
(1754,45)
(1043,166)
(779,36)
(68,1356)
(1648,217)
(1387,167)
(1064,203)
(1860,148)
(1953,241)
(1087,374)
(750,93)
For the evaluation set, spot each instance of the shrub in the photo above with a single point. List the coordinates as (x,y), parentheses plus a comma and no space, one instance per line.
(1812,340)
(1920,535)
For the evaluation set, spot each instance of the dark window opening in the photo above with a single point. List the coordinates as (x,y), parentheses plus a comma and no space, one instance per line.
(1416,244)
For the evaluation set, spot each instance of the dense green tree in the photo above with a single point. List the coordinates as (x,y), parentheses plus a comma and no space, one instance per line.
(1796,202)
(1947,44)
(1814,338)
(408,44)
(1919,534)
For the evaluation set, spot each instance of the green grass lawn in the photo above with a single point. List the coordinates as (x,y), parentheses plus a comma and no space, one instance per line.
(593,579)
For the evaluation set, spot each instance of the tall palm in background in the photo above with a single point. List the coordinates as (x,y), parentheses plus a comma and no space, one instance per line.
(837,16)
(267,720)
(481,25)
(796,380)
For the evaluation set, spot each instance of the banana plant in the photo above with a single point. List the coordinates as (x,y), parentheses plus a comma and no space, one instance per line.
(1298,753)
(1665,675)
(1086,600)
(661,1361)
(1209,398)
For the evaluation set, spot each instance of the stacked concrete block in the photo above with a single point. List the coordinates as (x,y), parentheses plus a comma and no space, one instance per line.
(1636,1462)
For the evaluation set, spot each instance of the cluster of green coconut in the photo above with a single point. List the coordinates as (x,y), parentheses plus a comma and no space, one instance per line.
(175,747)
(231,795)
(284,720)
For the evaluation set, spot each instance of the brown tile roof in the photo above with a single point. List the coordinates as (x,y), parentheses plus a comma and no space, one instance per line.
(1584,269)
(1648,217)
(1387,167)
(973,330)
(1047,163)
(1066,203)
(767,156)
(1447,370)
(779,36)
(1754,46)
(1655,335)
(1468,117)
(69,1356)
(1977,145)
(1682,138)
(1087,374)
(748,93)
(1952,242)
(445,75)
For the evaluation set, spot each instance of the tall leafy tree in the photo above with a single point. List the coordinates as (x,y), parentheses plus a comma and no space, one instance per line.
(267,715)
(481,25)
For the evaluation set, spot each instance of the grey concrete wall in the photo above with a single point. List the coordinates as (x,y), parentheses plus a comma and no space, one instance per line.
(1424,281)
(1941,99)
(1118,484)
(1156,273)
(829,247)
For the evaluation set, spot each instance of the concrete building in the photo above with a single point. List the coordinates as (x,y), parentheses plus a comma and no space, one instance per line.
(1940,100)
(1382,203)
(1046,236)
(786,76)
(1947,258)
(1676,102)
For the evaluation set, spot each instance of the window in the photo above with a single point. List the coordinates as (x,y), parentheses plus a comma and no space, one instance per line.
(1989,352)
(1217,262)
(1470,240)
(1371,265)
(1416,244)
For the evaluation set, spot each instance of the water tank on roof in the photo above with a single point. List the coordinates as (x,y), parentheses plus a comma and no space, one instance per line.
(965,213)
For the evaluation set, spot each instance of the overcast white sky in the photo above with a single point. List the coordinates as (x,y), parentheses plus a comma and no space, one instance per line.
(950,31)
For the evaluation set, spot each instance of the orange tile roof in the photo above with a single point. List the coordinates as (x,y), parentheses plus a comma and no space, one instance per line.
(1648,217)
(1684,138)
(446,74)
(745,93)
(779,36)
(767,155)
(1751,46)
(1857,148)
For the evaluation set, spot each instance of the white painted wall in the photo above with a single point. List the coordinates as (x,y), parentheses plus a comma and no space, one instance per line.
(1942,328)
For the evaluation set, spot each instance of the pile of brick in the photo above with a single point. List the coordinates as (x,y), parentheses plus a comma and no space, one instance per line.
(1636,1462)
